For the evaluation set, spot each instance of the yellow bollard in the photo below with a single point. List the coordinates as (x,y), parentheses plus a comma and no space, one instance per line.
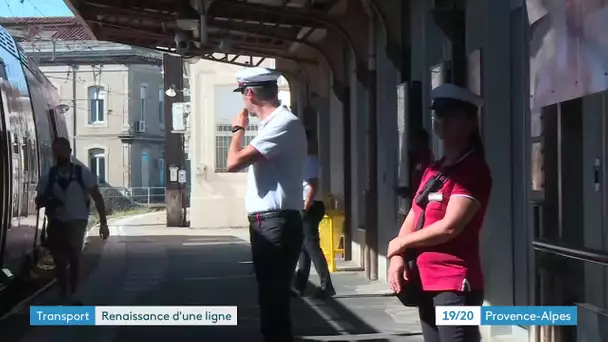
(330,234)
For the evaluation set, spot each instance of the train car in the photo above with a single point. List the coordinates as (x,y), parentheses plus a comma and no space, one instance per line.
(31,117)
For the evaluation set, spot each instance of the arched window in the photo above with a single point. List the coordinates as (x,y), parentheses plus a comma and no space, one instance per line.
(97,163)
(97,104)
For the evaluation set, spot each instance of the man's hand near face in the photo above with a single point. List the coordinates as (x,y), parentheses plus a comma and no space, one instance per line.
(242,119)
(239,157)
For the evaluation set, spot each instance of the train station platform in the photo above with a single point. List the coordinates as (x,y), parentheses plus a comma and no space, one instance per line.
(146,263)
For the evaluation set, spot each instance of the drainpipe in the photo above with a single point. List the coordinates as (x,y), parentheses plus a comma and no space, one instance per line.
(74,111)
(371,198)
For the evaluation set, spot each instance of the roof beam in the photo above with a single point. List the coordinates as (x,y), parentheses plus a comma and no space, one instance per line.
(241,50)
(48,59)
(304,18)
(165,40)
(227,58)
(331,57)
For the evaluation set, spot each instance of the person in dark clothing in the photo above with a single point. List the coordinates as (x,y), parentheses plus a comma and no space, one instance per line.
(64,192)
(313,213)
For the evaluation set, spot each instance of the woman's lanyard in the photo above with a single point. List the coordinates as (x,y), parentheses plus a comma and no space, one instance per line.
(435,184)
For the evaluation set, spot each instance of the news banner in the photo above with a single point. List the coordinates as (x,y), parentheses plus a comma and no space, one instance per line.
(227,315)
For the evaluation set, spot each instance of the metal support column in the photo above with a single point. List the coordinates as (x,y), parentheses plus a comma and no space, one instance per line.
(74,111)
(174,149)
(348,229)
(371,198)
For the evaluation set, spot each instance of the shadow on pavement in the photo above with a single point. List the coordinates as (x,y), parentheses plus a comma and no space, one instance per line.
(182,271)
(144,225)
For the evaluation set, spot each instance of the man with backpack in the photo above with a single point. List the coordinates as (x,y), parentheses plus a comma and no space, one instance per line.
(65,193)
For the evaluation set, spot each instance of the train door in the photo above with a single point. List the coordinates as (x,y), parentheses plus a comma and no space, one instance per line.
(22,160)
(5,165)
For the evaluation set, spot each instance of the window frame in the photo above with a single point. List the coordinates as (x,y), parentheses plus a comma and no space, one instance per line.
(161,107)
(223,137)
(143,96)
(97,154)
(145,168)
(97,95)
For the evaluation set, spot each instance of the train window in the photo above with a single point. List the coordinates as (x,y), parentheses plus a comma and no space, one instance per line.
(44,130)
(15,143)
(26,152)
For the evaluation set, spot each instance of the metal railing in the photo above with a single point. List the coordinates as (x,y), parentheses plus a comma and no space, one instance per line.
(123,198)
(564,276)
(583,254)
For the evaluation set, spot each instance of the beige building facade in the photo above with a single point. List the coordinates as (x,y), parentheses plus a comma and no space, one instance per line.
(115,121)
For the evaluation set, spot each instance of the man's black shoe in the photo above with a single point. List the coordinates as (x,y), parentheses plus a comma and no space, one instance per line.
(324,293)
(295,292)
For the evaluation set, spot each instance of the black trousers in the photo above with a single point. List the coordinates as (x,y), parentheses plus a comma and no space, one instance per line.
(276,241)
(311,250)
(431,332)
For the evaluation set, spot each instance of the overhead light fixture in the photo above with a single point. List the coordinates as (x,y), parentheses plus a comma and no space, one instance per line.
(171,91)
(187,19)
(62,108)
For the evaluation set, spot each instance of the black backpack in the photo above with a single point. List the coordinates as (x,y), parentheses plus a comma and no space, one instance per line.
(76,175)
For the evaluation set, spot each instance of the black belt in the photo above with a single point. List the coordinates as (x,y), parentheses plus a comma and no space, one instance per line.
(264,215)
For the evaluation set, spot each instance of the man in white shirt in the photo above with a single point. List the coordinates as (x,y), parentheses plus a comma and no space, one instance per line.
(313,213)
(273,201)
(65,193)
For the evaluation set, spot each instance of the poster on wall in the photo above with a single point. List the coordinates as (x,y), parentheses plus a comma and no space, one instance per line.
(568,49)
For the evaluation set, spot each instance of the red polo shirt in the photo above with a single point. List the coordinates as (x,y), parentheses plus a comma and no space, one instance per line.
(445,267)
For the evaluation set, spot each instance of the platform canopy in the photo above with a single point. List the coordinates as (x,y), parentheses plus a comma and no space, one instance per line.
(262,28)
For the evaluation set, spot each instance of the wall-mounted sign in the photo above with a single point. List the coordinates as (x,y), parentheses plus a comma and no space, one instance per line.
(179,116)
(182,177)
(173,173)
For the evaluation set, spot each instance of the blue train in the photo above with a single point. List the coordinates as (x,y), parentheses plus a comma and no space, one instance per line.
(31,117)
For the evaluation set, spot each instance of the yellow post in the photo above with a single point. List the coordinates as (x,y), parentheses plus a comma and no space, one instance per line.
(330,233)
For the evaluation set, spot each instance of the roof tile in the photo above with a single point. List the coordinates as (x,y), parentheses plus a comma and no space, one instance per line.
(34,28)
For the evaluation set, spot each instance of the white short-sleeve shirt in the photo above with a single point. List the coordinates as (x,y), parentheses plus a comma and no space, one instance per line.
(275,182)
(74,198)
(312,171)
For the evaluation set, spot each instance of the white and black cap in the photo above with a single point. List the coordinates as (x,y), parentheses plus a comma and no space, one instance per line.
(449,96)
(256,77)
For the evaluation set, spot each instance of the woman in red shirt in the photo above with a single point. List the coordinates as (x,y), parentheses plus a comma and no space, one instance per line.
(444,223)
